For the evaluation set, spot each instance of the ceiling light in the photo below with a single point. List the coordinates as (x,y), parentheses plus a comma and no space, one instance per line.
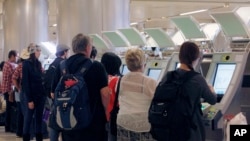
(193,12)
(54,25)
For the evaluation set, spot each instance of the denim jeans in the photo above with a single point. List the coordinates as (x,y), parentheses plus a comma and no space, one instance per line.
(35,114)
(54,134)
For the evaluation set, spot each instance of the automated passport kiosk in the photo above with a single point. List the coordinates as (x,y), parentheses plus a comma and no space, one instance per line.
(225,74)
(156,68)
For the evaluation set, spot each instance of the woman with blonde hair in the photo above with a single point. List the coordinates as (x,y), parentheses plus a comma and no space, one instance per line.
(136,93)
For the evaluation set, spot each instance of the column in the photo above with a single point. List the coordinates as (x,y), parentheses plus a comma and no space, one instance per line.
(90,16)
(1,32)
(25,21)
(115,14)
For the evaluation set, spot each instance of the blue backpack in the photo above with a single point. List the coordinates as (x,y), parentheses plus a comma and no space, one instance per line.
(71,109)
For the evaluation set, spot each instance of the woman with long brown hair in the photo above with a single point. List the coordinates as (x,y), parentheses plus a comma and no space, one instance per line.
(33,96)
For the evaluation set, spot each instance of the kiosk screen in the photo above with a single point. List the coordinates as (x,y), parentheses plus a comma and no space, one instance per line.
(154,73)
(125,69)
(223,76)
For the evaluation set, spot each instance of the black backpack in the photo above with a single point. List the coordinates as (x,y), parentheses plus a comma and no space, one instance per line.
(170,112)
(47,79)
(71,109)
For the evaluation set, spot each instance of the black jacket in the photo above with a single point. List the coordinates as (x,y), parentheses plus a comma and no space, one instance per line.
(32,82)
(57,74)
(197,88)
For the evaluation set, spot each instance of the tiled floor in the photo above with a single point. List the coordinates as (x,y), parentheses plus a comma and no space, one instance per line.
(10,136)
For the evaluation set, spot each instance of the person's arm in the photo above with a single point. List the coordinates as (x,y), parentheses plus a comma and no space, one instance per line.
(105,94)
(15,77)
(6,70)
(105,91)
(208,93)
(16,84)
(55,80)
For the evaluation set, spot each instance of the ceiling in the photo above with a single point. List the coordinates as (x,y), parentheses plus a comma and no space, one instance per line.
(157,13)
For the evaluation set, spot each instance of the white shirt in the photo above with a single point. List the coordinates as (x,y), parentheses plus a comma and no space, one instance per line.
(135,96)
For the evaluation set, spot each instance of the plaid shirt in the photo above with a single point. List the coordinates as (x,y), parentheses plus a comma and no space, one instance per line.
(17,75)
(8,70)
(1,78)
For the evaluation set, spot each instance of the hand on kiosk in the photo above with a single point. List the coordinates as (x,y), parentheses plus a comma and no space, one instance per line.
(211,88)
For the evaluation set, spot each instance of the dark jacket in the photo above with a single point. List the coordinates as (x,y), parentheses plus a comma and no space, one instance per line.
(32,82)
(197,88)
(57,74)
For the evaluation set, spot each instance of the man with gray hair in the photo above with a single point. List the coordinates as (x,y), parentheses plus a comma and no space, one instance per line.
(97,84)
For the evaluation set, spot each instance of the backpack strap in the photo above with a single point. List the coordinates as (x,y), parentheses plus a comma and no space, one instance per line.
(86,65)
(52,66)
(117,93)
(63,66)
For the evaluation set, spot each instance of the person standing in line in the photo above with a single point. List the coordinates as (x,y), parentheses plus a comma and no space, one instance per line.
(135,96)
(93,53)
(2,101)
(97,84)
(197,87)
(16,79)
(33,96)
(62,54)
(1,76)
(8,69)
(112,64)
